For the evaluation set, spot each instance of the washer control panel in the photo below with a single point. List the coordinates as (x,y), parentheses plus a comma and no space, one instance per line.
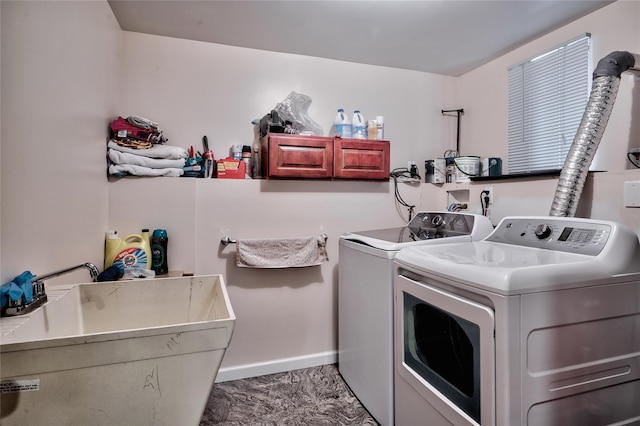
(428,225)
(572,235)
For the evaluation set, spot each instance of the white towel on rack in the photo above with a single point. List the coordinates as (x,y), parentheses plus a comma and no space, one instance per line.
(281,252)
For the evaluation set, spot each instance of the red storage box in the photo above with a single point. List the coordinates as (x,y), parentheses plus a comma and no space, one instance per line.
(228,168)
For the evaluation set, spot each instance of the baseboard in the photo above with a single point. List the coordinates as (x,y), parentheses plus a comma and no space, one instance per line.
(276,366)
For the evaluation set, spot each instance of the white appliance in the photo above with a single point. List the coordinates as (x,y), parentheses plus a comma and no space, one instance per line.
(538,324)
(365,299)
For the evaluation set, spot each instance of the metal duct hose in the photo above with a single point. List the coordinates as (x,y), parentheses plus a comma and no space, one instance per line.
(606,79)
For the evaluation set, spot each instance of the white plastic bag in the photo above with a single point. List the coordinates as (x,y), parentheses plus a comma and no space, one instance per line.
(294,108)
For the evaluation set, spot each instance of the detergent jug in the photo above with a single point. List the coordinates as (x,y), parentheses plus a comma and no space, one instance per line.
(131,251)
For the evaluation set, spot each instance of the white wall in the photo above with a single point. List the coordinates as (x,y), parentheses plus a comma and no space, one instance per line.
(194,88)
(59,87)
(483,91)
(483,94)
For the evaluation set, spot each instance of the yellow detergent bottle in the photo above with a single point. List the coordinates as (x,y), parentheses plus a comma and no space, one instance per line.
(131,251)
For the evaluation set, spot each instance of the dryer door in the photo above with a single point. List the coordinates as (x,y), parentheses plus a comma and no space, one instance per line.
(445,349)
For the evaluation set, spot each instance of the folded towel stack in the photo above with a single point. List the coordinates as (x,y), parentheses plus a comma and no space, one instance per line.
(136,148)
(158,160)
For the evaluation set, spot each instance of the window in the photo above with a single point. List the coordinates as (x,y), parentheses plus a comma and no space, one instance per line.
(547,98)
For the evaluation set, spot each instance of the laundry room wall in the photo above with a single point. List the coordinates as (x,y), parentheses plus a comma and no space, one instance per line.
(483,91)
(194,88)
(59,84)
(68,70)
(286,318)
(483,94)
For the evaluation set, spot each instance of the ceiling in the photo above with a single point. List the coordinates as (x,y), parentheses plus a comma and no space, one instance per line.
(449,37)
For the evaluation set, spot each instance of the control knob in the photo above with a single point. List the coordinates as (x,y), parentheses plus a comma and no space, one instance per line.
(437,220)
(543,231)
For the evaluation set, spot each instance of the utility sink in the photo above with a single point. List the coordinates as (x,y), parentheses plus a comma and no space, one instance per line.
(121,352)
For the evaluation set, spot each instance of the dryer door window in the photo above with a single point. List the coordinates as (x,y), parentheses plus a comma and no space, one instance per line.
(444,349)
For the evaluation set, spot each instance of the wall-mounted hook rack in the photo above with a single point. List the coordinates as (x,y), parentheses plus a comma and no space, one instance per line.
(458,112)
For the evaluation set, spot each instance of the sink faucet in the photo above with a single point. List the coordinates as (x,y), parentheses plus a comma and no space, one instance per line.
(39,296)
(93,271)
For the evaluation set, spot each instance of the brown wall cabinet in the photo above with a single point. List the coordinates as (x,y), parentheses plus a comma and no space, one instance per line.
(321,157)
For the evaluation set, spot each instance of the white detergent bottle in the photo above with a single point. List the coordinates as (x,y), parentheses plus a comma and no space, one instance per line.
(342,124)
(358,126)
(111,245)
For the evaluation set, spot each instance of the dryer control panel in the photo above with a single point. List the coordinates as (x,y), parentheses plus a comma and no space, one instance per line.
(582,236)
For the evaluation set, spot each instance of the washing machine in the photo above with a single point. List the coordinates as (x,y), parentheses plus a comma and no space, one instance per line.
(537,324)
(365,299)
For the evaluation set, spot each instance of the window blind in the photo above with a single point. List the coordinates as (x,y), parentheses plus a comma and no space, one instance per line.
(547,98)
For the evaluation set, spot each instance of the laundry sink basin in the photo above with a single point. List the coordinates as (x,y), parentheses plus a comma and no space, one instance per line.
(126,352)
(117,306)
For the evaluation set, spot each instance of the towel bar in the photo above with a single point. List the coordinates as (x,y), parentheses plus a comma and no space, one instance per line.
(225,241)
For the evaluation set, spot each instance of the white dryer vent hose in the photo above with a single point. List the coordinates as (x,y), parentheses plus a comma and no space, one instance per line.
(606,80)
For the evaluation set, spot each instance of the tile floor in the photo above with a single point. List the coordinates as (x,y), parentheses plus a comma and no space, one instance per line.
(310,396)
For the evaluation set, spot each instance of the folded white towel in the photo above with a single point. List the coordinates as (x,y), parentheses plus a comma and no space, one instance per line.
(156,151)
(115,169)
(137,160)
(281,253)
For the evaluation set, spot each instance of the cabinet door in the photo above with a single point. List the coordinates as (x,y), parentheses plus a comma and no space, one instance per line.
(294,156)
(361,159)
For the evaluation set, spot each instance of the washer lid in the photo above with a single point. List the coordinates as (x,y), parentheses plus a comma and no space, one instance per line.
(517,258)
(426,228)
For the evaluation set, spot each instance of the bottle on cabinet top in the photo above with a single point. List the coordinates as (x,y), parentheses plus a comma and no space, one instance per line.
(358,126)
(342,124)
(379,127)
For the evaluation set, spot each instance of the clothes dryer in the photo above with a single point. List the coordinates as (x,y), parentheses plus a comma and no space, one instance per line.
(365,299)
(538,324)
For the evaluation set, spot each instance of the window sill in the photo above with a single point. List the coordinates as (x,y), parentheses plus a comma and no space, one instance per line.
(531,175)
(538,174)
